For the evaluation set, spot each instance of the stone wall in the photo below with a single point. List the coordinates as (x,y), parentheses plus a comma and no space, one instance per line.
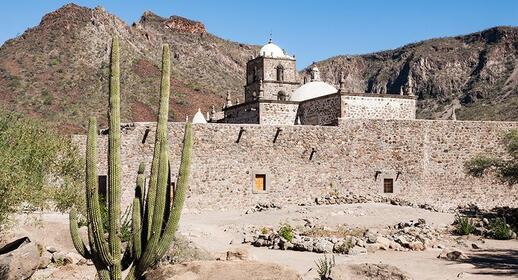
(242,113)
(378,106)
(323,110)
(277,113)
(424,158)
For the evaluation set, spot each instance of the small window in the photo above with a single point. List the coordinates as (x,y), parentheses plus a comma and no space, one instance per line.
(388,185)
(260,182)
(280,73)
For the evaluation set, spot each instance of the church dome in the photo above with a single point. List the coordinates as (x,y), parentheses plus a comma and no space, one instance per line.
(199,118)
(272,50)
(312,90)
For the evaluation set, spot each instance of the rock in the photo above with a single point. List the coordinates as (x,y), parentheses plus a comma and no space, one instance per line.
(372,248)
(323,246)
(222,270)
(452,255)
(403,241)
(51,249)
(384,242)
(371,236)
(303,244)
(74,258)
(475,246)
(60,258)
(20,261)
(416,246)
(368,271)
(45,260)
(357,250)
(240,254)
(285,244)
(343,246)
(395,246)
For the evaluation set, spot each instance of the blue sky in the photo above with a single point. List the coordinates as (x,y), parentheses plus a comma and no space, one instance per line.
(312,30)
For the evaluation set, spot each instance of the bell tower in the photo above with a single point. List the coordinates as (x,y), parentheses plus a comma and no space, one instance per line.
(272,75)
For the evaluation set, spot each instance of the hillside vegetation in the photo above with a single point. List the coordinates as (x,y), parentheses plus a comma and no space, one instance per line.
(56,71)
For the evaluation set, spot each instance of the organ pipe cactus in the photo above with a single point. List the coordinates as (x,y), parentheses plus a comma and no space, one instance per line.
(154,217)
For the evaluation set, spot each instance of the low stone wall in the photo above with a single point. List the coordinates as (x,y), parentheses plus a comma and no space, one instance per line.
(423,158)
(378,106)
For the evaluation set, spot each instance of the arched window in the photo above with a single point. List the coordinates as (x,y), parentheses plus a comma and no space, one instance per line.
(280,73)
(281,96)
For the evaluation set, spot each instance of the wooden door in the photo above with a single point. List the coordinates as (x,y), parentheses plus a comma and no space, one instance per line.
(260,182)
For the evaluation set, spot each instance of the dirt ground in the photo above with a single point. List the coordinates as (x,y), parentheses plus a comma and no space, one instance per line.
(217,232)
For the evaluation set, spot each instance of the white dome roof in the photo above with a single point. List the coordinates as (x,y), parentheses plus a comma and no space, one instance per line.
(199,118)
(312,90)
(272,50)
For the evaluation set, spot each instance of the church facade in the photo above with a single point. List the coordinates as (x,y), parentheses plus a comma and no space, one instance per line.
(274,95)
(291,142)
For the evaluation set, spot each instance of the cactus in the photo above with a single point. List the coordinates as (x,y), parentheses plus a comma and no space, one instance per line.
(154,219)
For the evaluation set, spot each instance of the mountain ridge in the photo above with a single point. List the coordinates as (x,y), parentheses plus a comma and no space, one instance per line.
(57,71)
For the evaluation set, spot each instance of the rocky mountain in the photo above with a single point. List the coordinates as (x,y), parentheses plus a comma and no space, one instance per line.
(58,70)
(476,75)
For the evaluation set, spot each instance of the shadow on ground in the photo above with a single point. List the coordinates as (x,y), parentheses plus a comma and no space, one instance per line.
(495,262)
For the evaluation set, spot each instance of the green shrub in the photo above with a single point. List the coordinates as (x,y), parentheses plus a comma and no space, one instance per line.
(464,225)
(37,166)
(286,232)
(506,168)
(476,166)
(324,267)
(501,230)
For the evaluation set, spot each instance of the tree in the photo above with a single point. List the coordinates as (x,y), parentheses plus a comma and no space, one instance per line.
(37,166)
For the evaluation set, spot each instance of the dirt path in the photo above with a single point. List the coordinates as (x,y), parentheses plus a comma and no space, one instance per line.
(218,232)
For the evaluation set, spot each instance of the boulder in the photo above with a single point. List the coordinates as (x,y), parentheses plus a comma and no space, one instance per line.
(368,271)
(416,246)
(371,236)
(323,246)
(20,260)
(357,250)
(384,242)
(223,270)
(452,255)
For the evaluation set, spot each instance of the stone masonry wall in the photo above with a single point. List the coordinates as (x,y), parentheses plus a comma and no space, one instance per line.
(373,106)
(323,110)
(277,113)
(425,158)
(243,113)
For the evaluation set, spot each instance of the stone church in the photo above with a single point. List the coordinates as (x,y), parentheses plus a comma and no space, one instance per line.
(292,141)
(275,96)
